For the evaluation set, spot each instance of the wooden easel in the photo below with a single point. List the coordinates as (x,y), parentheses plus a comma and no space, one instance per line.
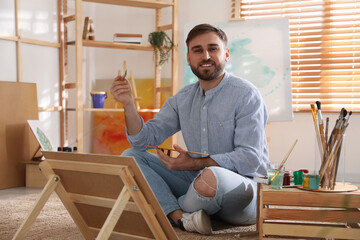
(105,195)
(132,81)
(35,157)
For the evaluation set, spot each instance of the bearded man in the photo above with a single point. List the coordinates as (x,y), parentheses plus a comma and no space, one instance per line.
(222,116)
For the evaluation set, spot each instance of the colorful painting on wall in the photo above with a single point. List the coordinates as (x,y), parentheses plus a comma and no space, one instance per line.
(109,135)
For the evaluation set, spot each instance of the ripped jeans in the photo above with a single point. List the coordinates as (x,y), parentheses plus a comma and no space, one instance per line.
(234,201)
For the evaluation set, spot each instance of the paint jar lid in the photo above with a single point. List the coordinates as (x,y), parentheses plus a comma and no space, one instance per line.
(98,92)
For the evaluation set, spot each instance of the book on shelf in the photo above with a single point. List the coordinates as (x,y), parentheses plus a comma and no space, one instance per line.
(127,38)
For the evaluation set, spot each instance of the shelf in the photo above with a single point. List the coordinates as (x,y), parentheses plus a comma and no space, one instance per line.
(77,84)
(103,44)
(117,110)
(135,3)
(50,109)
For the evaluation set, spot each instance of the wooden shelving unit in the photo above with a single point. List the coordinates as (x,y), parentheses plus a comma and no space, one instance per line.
(79,43)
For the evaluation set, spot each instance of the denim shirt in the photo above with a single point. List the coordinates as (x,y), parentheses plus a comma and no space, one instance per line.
(228,122)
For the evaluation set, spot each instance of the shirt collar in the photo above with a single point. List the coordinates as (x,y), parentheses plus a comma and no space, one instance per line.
(219,86)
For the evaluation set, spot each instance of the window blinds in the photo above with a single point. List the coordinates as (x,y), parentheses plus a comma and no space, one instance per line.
(325,48)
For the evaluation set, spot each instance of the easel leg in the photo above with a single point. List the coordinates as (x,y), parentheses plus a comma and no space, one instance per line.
(45,194)
(37,150)
(114,215)
(144,207)
(68,204)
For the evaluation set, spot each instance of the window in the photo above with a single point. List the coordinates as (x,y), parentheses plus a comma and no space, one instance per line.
(325,48)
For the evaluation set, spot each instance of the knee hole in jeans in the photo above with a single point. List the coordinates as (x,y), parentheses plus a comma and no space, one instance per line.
(206,184)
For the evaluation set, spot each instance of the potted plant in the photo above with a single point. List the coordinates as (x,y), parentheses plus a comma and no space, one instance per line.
(161,43)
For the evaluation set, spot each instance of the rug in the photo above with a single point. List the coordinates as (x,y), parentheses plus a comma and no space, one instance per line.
(55,223)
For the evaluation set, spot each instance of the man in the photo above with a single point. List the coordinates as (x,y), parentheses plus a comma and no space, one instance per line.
(220,115)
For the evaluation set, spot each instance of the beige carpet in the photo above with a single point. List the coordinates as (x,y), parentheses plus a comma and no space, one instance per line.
(54,222)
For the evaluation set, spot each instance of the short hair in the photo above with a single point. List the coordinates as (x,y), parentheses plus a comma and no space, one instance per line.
(205,28)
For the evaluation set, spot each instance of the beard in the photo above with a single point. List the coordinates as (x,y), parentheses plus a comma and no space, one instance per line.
(208,74)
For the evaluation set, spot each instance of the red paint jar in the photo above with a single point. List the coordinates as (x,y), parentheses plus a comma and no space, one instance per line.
(286,181)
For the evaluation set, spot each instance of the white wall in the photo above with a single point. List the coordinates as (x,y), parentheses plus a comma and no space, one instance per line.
(40,65)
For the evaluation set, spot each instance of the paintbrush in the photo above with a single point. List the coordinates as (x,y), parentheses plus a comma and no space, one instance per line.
(327,129)
(184,151)
(330,144)
(336,163)
(334,150)
(321,125)
(123,76)
(313,111)
(282,163)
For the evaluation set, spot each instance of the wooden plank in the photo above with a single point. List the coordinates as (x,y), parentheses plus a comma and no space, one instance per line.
(311,199)
(17,142)
(166,27)
(69,205)
(34,177)
(9,38)
(329,215)
(69,18)
(100,201)
(259,212)
(18,43)
(61,70)
(300,230)
(110,169)
(79,76)
(70,85)
(44,196)
(40,43)
(115,214)
(174,55)
(135,3)
(65,66)
(122,236)
(128,46)
(163,89)
(50,109)
(139,198)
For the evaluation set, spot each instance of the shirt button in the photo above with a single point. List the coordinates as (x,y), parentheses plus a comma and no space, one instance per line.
(204,107)
(204,129)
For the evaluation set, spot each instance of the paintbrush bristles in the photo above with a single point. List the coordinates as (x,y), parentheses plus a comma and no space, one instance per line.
(318,104)
(313,111)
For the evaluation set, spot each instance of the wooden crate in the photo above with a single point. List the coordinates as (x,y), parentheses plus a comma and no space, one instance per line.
(291,212)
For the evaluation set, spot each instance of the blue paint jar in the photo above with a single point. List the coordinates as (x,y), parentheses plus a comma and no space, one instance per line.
(314,181)
(98,99)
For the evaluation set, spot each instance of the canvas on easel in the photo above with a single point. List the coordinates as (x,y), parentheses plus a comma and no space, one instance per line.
(41,137)
(106,196)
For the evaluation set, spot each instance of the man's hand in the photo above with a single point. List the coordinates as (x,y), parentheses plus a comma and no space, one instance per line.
(183,161)
(121,90)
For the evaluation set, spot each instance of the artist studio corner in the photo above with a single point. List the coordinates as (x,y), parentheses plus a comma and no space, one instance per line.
(179,119)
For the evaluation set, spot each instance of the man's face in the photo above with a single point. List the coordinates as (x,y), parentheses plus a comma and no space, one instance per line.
(207,56)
